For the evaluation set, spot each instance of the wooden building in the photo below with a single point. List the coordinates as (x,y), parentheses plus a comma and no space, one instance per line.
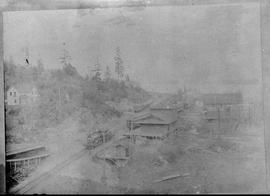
(222,112)
(156,124)
(224,106)
(222,99)
(22,94)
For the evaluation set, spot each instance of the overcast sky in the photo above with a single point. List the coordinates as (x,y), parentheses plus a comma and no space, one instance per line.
(163,48)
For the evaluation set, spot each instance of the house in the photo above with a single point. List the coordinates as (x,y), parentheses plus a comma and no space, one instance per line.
(222,112)
(222,106)
(174,107)
(22,94)
(222,99)
(227,113)
(132,122)
(12,96)
(156,124)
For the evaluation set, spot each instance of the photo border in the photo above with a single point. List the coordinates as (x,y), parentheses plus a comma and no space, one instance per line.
(30,5)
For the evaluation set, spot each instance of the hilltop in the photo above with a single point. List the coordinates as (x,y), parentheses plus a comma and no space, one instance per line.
(64,93)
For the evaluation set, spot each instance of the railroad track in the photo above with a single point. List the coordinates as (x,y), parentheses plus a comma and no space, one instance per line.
(25,188)
(36,181)
(28,186)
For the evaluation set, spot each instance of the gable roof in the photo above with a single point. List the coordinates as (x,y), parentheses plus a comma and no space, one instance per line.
(211,115)
(222,114)
(157,119)
(169,102)
(157,132)
(225,98)
(24,88)
(141,107)
(140,116)
(167,106)
(124,142)
(111,151)
(11,88)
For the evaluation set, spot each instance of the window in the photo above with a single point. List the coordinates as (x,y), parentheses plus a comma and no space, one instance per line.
(10,93)
(15,101)
(14,94)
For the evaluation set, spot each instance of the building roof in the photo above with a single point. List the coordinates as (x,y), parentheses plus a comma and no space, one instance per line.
(154,133)
(19,148)
(141,107)
(158,119)
(225,98)
(169,103)
(140,116)
(167,106)
(111,151)
(155,117)
(24,88)
(213,115)
(122,142)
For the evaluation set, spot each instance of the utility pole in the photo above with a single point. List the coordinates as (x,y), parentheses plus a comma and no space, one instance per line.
(254,115)
(31,116)
(249,114)
(59,101)
(218,121)
(89,71)
(130,131)
(103,177)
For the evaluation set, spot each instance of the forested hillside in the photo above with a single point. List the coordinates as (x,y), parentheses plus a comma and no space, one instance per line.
(63,93)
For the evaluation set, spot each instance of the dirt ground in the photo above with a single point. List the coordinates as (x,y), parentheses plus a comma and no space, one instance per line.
(226,165)
(233,163)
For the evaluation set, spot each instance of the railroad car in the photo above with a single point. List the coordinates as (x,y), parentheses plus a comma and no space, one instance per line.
(98,137)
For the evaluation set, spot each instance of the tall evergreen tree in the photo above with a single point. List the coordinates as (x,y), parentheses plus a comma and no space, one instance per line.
(107,73)
(65,60)
(65,57)
(119,68)
(97,71)
(127,78)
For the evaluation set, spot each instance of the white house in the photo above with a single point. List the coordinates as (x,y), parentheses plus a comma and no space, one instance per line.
(23,94)
(12,96)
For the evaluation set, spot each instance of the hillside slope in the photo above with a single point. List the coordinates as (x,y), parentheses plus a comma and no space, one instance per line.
(62,93)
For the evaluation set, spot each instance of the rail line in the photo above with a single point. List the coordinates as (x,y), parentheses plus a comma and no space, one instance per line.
(36,181)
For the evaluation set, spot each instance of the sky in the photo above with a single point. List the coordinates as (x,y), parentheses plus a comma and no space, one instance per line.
(163,48)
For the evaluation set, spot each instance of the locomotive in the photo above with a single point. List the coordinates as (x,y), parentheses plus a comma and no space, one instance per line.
(98,137)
